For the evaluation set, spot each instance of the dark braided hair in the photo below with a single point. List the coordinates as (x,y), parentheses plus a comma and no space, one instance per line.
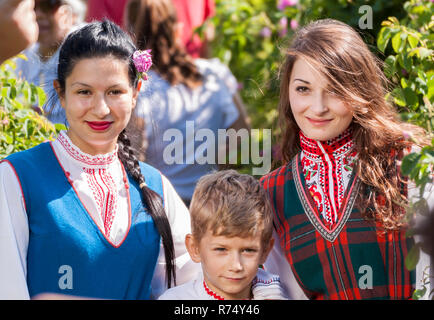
(152,22)
(100,39)
(151,199)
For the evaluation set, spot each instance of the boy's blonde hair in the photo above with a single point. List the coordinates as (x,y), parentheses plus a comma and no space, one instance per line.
(231,204)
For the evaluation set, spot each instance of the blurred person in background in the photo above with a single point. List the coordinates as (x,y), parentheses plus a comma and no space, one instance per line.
(180,90)
(192,14)
(56,19)
(18,27)
(110,9)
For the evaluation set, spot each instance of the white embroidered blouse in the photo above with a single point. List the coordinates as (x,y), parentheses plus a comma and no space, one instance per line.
(99,181)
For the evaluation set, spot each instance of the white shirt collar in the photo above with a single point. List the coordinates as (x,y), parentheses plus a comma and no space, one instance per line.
(86,160)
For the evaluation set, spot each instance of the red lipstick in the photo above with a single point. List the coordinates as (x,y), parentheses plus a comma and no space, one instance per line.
(99,125)
(319,122)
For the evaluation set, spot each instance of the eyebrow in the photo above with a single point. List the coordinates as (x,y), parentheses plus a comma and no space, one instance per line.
(87,85)
(302,80)
(80,83)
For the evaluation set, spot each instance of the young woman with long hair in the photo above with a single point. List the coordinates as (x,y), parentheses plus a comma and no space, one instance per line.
(81,215)
(339,199)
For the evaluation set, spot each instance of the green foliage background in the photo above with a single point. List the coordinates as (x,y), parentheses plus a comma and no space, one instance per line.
(20,126)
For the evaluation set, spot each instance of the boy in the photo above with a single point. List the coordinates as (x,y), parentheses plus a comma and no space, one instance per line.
(231,236)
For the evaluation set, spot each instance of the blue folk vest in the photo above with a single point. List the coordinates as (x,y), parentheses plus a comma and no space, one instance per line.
(67,252)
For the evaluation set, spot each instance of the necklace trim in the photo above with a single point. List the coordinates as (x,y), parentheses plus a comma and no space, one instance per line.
(87,159)
(212,293)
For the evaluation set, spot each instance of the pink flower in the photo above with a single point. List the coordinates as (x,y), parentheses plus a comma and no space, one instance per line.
(266,32)
(142,60)
(407,135)
(283,26)
(293,24)
(286,3)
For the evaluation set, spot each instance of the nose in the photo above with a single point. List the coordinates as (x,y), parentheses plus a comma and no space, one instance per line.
(320,103)
(236,264)
(100,106)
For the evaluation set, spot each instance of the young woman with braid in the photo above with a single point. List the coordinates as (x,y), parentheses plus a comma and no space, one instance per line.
(181,93)
(81,215)
(339,200)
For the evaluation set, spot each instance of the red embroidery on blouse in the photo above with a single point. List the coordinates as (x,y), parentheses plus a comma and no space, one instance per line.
(75,153)
(326,167)
(105,193)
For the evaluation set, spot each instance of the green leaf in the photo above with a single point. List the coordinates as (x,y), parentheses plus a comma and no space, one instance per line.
(389,66)
(383,38)
(407,62)
(398,41)
(398,97)
(13,93)
(394,20)
(409,163)
(59,126)
(411,98)
(412,257)
(419,293)
(413,41)
(41,95)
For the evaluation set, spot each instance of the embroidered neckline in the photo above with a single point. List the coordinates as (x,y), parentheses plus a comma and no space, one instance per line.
(84,158)
(212,293)
(336,147)
(312,211)
(215,295)
(86,209)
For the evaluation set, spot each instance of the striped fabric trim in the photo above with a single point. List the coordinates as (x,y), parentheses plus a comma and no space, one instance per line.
(347,207)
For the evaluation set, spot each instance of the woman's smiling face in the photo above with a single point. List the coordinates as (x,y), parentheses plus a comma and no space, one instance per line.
(320,114)
(98,101)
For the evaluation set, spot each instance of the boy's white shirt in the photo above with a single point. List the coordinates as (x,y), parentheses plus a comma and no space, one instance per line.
(265,286)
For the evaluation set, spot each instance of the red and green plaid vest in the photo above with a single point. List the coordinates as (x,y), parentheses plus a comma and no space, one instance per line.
(336,263)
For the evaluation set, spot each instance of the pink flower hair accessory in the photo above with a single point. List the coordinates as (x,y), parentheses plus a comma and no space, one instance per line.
(143,62)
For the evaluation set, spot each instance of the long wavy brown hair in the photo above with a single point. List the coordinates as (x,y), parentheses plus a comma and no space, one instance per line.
(355,74)
(153,24)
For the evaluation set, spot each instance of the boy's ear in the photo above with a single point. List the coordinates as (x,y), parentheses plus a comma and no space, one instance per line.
(192,247)
(267,250)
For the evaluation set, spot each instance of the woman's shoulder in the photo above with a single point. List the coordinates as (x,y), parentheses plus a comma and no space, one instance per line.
(151,174)
(283,172)
(31,154)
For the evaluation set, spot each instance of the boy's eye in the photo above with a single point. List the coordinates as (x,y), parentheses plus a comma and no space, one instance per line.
(220,249)
(250,250)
